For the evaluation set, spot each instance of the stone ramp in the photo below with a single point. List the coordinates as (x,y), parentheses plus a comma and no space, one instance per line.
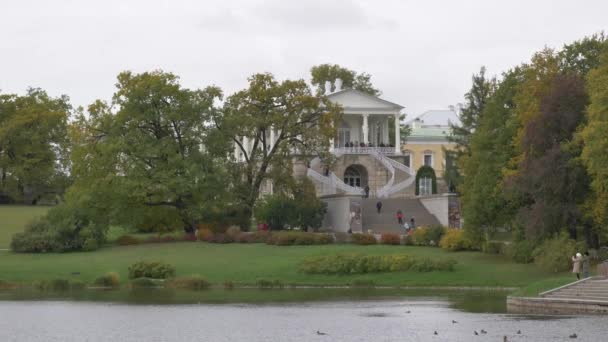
(587,296)
(386,221)
(595,289)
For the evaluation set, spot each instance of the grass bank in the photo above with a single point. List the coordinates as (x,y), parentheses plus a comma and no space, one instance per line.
(245,264)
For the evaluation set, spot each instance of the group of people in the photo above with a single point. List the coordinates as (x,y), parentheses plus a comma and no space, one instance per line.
(362,144)
(581,261)
(407,225)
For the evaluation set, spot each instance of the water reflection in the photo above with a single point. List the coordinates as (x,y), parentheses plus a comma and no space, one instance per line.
(467,301)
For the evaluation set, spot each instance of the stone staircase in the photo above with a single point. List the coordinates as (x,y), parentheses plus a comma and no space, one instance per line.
(590,289)
(386,221)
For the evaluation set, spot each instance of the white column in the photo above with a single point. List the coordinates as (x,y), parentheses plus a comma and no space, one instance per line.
(272,137)
(236,152)
(365,129)
(246,145)
(397,134)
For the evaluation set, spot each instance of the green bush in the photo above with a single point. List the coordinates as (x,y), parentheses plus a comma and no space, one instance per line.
(301,208)
(435,233)
(268,284)
(194,282)
(341,237)
(146,283)
(110,279)
(126,240)
(428,236)
(364,239)
(521,251)
(64,228)
(494,247)
(554,255)
(58,285)
(455,240)
(342,264)
(298,238)
(153,269)
(390,239)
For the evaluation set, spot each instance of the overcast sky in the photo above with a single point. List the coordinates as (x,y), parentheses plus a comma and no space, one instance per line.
(421,54)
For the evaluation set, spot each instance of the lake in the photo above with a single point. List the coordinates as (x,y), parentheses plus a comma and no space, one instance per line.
(280,315)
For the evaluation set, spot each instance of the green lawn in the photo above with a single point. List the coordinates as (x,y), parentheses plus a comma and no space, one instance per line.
(13,218)
(246,263)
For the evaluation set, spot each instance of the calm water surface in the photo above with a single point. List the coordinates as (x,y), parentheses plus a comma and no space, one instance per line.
(280,315)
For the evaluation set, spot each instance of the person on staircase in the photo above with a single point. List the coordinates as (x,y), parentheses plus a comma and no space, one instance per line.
(379,206)
(576,265)
(400,217)
(585,263)
(412,223)
(366,189)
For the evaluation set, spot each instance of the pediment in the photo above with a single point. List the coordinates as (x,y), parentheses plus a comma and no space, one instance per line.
(354,99)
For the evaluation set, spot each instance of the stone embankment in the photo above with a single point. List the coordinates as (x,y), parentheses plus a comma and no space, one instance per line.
(587,296)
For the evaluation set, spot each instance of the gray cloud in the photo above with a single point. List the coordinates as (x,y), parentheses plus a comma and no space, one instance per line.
(421,54)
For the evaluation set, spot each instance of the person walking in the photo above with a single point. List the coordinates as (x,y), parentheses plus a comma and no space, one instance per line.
(576,265)
(366,189)
(379,206)
(586,265)
(412,223)
(400,217)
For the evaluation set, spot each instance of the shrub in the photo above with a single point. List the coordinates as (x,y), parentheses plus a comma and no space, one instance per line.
(64,228)
(194,282)
(58,285)
(554,255)
(455,240)
(221,238)
(228,285)
(428,236)
(435,233)
(494,247)
(268,284)
(126,240)
(364,283)
(204,234)
(154,269)
(342,264)
(521,251)
(408,240)
(7,285)
(341,237)
(233,232)
(419,237)
(146,283)
(261,236)
(110,279)
(390,239)
(298,238)
(364,239)
(189,237)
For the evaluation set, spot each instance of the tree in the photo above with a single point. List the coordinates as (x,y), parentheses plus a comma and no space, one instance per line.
(350,79)
(595,137)
(33,145)
(151,159)
(475,102)
(550,178)
(484,204)
(303,124)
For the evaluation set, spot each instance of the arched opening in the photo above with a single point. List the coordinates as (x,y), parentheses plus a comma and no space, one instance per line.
(355,175)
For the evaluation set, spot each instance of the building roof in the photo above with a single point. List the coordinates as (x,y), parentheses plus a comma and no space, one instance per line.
(351,98)
(432,125)
(436,118)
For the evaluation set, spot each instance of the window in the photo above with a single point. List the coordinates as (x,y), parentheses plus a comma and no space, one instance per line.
(407,159)
(352,177)
(425,186)
(428,159)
